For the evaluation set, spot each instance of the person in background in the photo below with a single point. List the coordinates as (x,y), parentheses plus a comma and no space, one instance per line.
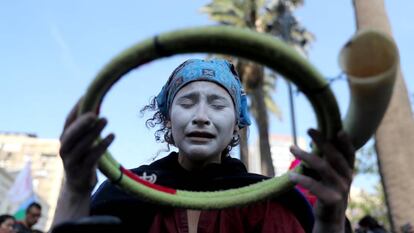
(33,213)
(407,228)
(368,224)
(6,223)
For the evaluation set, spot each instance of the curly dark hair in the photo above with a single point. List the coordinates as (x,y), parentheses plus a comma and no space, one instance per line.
(164,135)
(4,217)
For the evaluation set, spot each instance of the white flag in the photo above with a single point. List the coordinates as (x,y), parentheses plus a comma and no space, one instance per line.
(22,188)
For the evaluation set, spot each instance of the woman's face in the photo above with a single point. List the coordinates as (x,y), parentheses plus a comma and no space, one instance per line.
(7,225)
(203,122)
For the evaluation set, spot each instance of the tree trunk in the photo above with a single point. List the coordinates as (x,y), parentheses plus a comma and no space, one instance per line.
(263,128)
(395,136)
(254,75)
(244,146)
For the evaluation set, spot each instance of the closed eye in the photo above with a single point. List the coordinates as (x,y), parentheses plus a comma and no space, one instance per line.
(218,106)
(188,100)
(186,104)
(218,102)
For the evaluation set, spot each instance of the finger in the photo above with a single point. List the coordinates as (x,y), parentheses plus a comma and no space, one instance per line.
(327,173)
(317,137)
(88,139)
(335,157)
(72,134)
(344,143)
(337,161)
(99,150)
(324,194)
(72,114)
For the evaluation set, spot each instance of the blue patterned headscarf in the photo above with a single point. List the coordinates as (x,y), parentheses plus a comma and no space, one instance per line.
(218,71)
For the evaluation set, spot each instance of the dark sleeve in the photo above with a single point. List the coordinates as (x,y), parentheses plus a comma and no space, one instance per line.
(19,228)
(111,200)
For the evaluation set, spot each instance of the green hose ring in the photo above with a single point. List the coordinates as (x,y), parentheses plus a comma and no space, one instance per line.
(261,48)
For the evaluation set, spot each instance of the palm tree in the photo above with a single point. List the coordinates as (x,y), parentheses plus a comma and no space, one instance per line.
(395,136)
(276,18)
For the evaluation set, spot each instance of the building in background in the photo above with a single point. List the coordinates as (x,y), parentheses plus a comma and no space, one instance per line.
(6,181)
(281,156)
(47,171)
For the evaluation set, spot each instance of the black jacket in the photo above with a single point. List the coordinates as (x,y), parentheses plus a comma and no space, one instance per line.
(231,173)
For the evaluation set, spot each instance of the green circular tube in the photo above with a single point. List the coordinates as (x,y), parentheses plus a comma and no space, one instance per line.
(260,48)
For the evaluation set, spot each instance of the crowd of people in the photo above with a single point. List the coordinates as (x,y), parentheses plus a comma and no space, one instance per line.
(8,223)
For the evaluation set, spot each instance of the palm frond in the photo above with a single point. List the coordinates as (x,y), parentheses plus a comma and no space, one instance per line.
(225,12)
(224,6)
(274,17)
(228,19)
(297,3)
(273,107)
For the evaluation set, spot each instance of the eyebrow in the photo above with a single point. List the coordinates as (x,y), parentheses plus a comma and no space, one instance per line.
(216,97)
(195,95)
(191,95)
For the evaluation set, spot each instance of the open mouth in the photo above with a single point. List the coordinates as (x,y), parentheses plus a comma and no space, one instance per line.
(200,135)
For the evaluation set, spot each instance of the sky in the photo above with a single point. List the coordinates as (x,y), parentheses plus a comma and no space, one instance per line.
(52,50)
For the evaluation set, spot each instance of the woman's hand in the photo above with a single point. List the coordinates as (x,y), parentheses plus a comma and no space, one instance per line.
(335,169)
(80,151)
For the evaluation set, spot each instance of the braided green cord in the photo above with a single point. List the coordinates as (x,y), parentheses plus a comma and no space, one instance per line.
(261,48)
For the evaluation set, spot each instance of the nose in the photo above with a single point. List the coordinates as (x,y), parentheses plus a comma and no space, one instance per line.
(201,117)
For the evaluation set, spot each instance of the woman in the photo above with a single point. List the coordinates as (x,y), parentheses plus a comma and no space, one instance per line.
(6,223)
(200,111)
